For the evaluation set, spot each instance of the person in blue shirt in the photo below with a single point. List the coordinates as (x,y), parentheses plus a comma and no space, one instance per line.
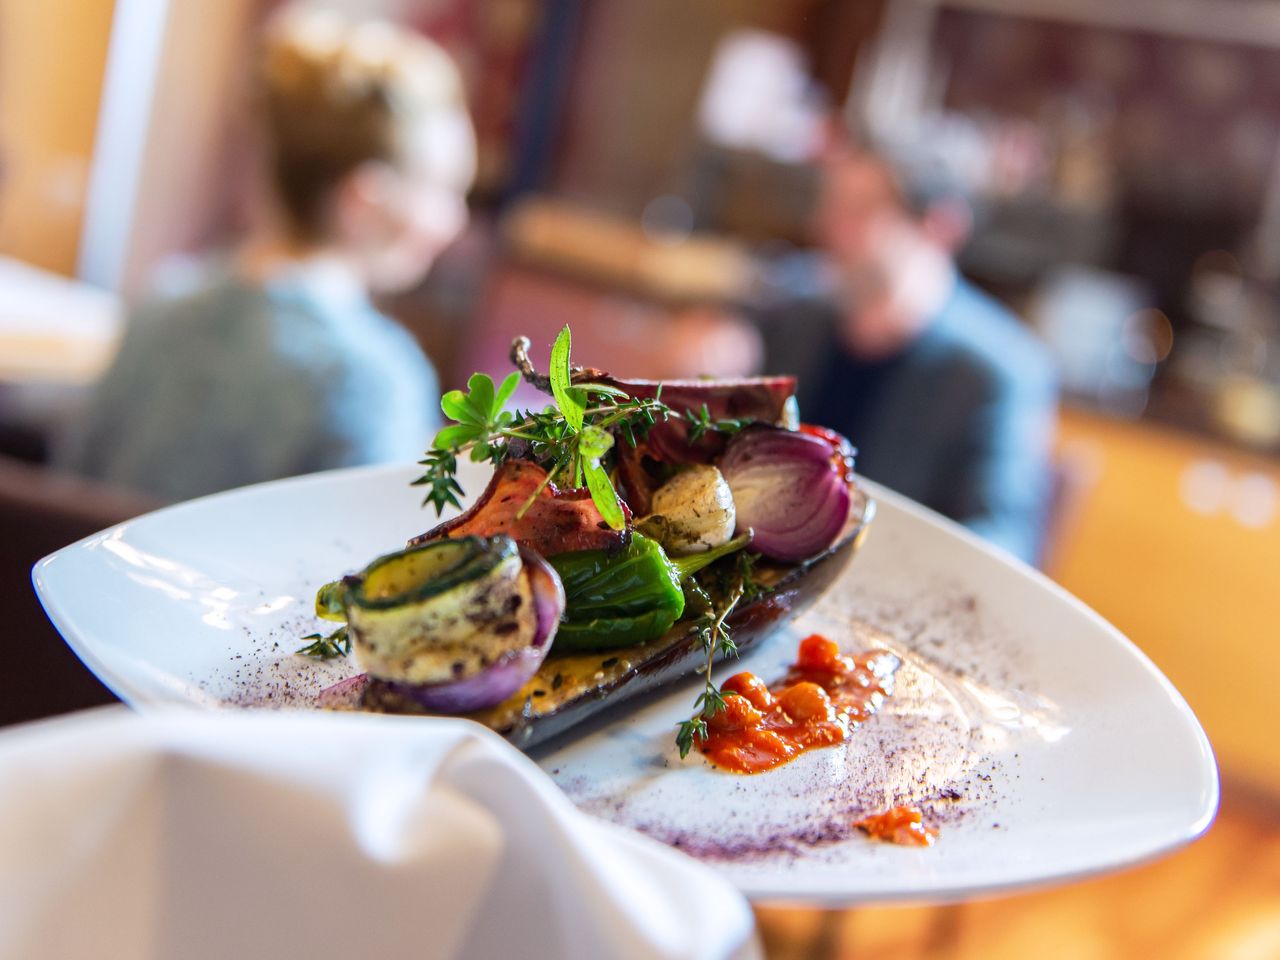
(274,362)
(947,397)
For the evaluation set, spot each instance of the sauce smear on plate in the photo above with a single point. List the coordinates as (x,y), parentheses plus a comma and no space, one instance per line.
(903,825)
(823,697)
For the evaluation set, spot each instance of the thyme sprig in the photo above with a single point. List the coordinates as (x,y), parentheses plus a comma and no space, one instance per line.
(336,644)
(701,421)
(736,584)
(547,438)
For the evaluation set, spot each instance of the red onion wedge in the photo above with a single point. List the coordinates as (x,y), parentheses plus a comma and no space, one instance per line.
(790,488)
(548,596)
(510,672)
(345,694)
(488,688)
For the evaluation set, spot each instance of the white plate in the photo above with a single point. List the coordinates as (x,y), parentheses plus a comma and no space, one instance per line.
(1039,739)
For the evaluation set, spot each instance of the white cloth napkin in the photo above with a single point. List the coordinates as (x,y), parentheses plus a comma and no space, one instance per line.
(190,835)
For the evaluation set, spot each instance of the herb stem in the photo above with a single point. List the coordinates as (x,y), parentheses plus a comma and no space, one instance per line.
(546,482)
(715,639)
(517,434)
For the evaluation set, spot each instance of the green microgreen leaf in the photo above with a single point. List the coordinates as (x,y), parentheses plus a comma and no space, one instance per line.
(441,467)
(603,495)
(700,421)
(604,390)
(505,391)
(690,730)
(457,406)
(594,443)
(572,402)
(454,436)
(480,396)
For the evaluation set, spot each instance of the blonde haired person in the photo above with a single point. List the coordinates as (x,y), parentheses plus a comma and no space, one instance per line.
(276,363)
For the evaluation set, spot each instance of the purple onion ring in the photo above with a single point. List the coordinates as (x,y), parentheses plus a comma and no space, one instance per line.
(787,488)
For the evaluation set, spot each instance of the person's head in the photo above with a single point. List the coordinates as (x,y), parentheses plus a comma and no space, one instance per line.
(891,226)
(368,146)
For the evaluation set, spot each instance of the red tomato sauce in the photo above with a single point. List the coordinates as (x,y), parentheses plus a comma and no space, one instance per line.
(904,825)
(824,696)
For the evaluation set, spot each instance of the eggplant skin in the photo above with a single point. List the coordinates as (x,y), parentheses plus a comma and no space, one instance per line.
(569,689)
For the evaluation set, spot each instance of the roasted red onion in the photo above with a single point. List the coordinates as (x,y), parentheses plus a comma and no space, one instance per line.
(345,694)
(486,689)
(548,596)
(790,488)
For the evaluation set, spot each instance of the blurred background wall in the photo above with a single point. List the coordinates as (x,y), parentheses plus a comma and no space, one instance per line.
(47,124)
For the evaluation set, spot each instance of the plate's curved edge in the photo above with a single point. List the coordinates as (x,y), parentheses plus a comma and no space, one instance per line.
(74,637)
(198,503)
(127,692)
(67,630)
(1208,759)
(940,896)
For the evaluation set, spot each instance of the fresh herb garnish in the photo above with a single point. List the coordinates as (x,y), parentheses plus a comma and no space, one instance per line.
(336,644)
(735,584)
(572,440)
(593,444)
(571,401)
(441,477)
(700,422)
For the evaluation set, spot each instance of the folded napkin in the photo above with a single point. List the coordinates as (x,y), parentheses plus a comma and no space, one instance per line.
(193,835)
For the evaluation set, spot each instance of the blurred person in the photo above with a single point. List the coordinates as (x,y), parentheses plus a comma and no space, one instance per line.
(275,362)
(947,397)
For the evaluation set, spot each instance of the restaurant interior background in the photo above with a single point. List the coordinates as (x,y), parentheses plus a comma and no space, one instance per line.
(645,167)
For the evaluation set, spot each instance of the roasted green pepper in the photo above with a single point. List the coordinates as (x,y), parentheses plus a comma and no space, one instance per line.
(626,597)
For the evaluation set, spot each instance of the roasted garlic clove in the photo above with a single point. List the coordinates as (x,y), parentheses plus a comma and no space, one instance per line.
(692,512)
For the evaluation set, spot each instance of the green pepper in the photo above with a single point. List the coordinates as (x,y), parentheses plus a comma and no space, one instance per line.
(626,597)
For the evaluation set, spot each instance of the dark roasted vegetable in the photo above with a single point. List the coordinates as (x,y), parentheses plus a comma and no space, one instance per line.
(751,399)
